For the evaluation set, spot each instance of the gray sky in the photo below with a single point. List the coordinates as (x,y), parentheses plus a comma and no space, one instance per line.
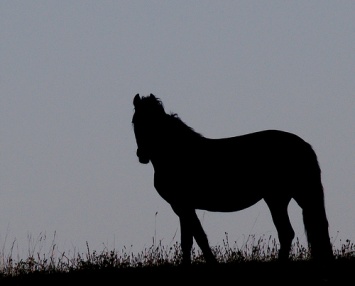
(69,72)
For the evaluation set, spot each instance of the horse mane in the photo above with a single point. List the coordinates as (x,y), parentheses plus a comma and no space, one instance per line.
(181,127)
(171,121)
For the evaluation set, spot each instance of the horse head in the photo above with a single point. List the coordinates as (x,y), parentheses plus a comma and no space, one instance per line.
(148,111)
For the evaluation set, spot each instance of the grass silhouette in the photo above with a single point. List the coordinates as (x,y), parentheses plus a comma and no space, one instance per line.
(255,261)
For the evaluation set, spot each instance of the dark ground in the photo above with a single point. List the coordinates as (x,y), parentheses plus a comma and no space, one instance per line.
(341,272)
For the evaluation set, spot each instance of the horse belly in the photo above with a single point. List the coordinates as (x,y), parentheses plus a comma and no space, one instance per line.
(217,205)
(225,198)
(207,189)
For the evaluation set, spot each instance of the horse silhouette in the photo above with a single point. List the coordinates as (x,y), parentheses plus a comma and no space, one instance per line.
(230,174)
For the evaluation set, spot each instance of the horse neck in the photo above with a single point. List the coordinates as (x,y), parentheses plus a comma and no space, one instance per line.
(172,145)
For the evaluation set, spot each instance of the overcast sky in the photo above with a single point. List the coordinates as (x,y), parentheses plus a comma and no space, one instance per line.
(69,71)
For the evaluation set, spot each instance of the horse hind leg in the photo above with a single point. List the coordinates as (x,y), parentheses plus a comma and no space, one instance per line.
(278,209)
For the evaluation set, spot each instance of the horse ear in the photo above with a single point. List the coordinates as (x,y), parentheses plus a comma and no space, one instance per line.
(152,95)
(136,100)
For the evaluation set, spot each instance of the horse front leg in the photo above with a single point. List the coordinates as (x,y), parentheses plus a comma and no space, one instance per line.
(186,239)
(190,227)
(201,239)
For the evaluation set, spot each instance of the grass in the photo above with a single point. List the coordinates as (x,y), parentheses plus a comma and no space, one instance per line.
(255,259)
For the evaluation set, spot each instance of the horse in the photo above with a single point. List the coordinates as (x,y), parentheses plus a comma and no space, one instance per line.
(231,174)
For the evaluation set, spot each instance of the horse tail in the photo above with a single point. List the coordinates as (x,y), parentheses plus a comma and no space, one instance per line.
(314,215)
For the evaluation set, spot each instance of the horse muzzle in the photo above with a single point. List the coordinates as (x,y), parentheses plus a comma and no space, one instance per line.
(143,158)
